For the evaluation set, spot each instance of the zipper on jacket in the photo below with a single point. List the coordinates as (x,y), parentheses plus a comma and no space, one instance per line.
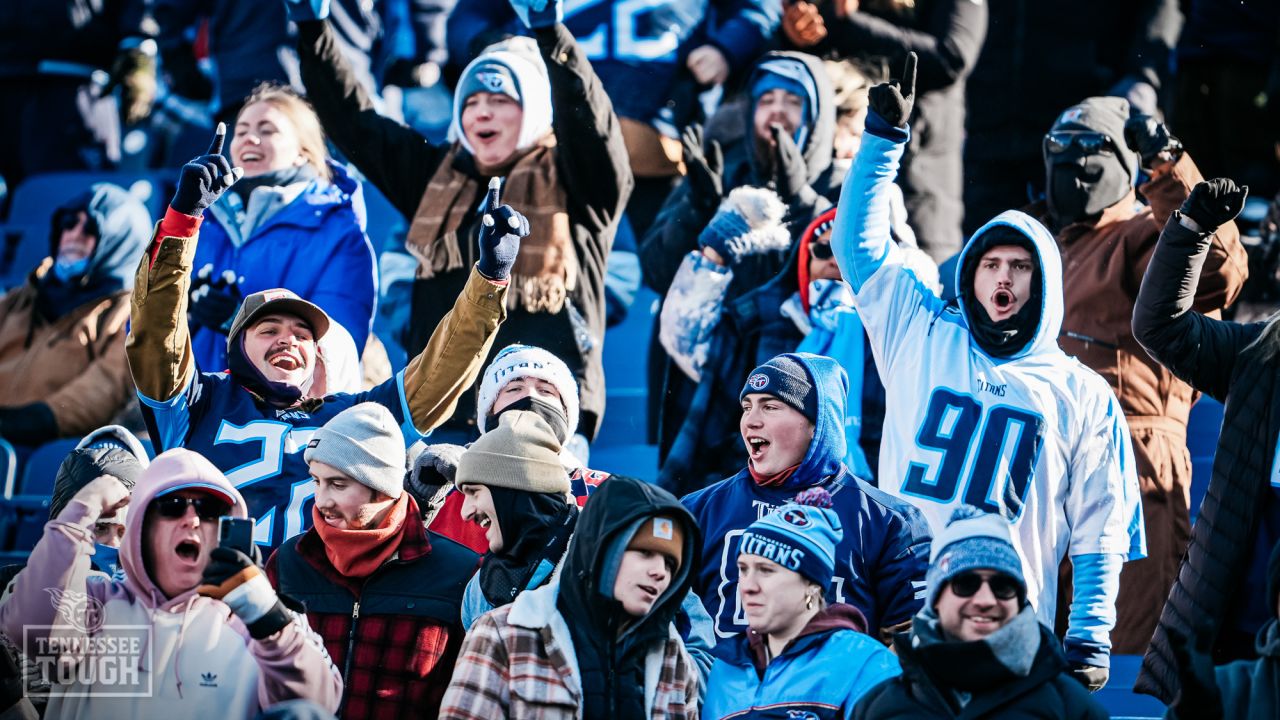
(351,648)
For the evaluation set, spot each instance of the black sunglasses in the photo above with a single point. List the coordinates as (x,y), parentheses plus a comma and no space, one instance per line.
(821,251)
(1090,142)
(1002,586)
(207,508)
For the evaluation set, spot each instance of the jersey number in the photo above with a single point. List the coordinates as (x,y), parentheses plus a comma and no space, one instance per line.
(1009,441)
(278,439)
(643,30)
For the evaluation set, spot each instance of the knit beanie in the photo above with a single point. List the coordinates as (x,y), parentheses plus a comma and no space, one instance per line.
(972,540)
(365,443)
(512,72)
(786,378)
(522,453)
(517,361)
(793,76)
(801,536)
(660,534)
(1106,115)
(748,222)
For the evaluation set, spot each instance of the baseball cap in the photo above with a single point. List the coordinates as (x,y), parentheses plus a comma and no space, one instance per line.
(277,300)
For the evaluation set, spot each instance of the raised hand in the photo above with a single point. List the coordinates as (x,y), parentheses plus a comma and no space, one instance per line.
(790,171)
(703,168)
(500,235)
(304,10)
(105,494)
(1150,138)
(234,578)
(204,179)
(1213,203)
(539,13)
(893,100)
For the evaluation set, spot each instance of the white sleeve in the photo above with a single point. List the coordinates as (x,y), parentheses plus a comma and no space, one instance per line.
(691,311)
(1103,502)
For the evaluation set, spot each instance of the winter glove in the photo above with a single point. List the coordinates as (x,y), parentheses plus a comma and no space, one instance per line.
(892,101)
(1213,203)
(30,424)
(305,10)
(214,302)
(232,577)
(134,72)
(1150,138)
(433,470)
(1092,678)
(790,171)
(500,236)
(539,13)
(703,168)
(1199,696)
(204,179)
(749,222)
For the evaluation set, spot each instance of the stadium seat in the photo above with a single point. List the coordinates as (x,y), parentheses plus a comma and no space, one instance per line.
(42,467)
(8,469)
(39,195)
(1203,428)
(383,220)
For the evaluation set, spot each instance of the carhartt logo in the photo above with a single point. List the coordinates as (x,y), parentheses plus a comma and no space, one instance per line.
(759,381)
(208,680)
(662,528)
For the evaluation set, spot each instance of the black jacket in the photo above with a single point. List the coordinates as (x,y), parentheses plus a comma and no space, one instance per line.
(1046,692)
(1250,688)
(592,163)
(1214,357)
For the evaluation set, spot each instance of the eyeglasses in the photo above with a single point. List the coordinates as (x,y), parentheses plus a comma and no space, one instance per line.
(207,508)
(1002,586)
(821,251)
(1090,142)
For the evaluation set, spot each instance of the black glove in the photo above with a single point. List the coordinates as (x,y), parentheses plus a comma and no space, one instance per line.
(893,100)
(703,168)
(232,577)
(30,424)
(433,469)
(214,301)
(1199,696)
(502,228)
(1213,203)
(1149,137)
(790,171)
(204,179)
(1091,677)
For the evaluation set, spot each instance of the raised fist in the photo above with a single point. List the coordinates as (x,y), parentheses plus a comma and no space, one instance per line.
(1150,138)
(500,236)
(1213,203)
(893,100)
(203,180)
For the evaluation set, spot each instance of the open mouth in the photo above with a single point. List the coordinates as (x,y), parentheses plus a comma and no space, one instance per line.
(284,361)
(756,446)
(1003,299)
(487,135)
(249,156)
(188,550)
(483,521)
(649,590)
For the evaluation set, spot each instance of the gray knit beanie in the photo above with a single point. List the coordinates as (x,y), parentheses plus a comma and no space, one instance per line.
(522,453)
(364,442)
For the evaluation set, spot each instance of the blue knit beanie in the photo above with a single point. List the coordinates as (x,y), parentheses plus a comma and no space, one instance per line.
(801,538)
(785,378)
(972,540)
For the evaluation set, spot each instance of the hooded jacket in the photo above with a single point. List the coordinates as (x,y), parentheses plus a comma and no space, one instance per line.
(1250,687)
(882,557)
(524,659)
(1052,426)
(62,343)
(196,658)
(800,681)
(314,245)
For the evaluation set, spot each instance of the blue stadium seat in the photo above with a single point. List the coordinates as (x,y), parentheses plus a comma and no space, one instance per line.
(27,517)
(34,201)
(383,220)
(42,467)
(22,247)
(1203,428)
(8,469)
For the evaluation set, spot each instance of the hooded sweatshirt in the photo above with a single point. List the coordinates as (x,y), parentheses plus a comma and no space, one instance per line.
(882,558)
(1035,436)
(196,659)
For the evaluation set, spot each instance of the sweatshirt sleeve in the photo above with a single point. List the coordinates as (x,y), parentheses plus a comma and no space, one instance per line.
(296,666)
(1095,585)
(159,342)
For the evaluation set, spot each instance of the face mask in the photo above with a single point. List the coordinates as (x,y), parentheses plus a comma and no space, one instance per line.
(1082,187)
(66,271)
(107,559)
(552,413)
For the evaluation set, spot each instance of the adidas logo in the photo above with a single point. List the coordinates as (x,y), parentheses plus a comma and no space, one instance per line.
(208,680)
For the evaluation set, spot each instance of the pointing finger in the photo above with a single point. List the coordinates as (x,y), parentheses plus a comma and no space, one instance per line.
(909,76)
(219,136)
(492,201)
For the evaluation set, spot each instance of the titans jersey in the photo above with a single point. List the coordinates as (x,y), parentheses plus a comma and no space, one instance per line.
(1037,437)
(258,447)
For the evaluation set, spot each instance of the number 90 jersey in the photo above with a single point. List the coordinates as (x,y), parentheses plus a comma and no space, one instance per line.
(1037,437)
(259,447)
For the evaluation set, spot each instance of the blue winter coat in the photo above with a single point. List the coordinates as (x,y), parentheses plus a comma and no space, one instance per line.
(820,675)
(880,561)
(314,246)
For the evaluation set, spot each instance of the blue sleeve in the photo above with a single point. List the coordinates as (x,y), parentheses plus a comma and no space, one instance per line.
(472,18)
(347,285)
(746,26)
(697,629)
(903,561)
(169,421)
(862,239)
(1095,586)
(391,395)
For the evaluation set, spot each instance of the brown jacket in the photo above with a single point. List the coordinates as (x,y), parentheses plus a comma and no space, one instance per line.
(76,364)
(1103,265)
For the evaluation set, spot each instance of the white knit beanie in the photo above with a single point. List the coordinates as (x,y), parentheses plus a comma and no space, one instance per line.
(533,87)
(517,361)
(363,442)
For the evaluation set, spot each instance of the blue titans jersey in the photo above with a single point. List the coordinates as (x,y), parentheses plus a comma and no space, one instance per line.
(259,447)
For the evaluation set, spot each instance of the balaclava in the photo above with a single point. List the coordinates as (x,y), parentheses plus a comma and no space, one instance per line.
(1086,177)
(1006,337)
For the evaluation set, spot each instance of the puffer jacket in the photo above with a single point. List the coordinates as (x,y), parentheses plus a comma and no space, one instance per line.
(63,343)
(314,245)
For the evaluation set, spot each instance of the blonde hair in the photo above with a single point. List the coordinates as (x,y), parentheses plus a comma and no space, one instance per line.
(306,123)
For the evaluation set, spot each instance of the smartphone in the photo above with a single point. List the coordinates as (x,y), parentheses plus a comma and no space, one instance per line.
(236,533)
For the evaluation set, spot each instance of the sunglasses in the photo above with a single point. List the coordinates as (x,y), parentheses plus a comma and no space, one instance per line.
(1002,586)
(1089,142)
(207,508)
(821,251)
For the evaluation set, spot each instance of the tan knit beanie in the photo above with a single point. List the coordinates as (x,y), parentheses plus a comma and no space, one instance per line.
(522,453)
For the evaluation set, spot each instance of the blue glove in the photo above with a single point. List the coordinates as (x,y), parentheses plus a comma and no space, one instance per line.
(214,301)
(204,179)
(500,233)
(725,234)
(304,10)
(539,13)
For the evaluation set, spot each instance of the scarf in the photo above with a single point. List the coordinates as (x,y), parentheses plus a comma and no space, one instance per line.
(963,669)
(545,522)
(277,394)
(357,553)
(775,480)
(546,269)
(272,178)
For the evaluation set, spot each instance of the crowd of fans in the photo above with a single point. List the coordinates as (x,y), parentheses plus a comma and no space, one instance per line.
(939,281)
